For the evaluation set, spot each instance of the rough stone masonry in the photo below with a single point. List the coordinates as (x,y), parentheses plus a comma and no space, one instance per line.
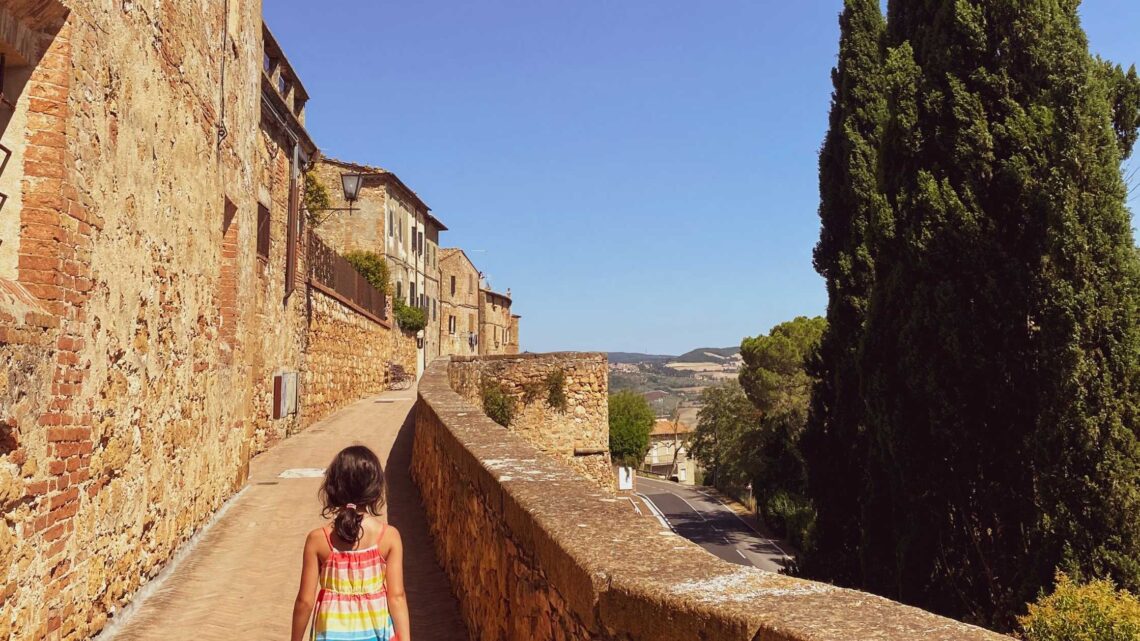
(152,285)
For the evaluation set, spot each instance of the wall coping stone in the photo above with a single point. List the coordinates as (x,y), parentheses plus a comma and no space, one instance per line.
(621,574)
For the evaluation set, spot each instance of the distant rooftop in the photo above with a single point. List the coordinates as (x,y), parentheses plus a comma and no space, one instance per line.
(380,171)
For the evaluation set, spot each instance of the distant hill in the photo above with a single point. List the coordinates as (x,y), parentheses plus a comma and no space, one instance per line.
(707,355)
(634,357)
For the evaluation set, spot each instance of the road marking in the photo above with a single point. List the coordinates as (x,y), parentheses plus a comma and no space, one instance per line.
(743,557)
(726,507)
(656,512)
(758,533)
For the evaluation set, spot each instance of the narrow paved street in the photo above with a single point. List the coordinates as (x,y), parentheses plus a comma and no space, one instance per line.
(700,517)
(239,580)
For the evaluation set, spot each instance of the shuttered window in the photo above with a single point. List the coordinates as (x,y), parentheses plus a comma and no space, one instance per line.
(263,231)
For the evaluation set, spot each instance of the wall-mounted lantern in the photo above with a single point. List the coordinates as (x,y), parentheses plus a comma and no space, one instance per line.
(420,339)
(351,184)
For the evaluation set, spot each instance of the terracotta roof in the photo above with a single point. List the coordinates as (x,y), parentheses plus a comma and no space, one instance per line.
(495,293)
(380,171)
(665,427)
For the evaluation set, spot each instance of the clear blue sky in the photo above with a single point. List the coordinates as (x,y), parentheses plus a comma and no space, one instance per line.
(641,174)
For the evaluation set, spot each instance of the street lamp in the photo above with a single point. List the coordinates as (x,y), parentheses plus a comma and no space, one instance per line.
(351,184)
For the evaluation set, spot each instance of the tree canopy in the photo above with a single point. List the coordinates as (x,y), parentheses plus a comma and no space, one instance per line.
(975,423)
(631,421)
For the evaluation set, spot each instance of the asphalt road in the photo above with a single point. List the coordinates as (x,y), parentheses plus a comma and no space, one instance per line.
(704,520)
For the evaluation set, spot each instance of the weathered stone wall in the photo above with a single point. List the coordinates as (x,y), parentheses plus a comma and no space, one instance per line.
(348,356)
(141,333)
(535,552)
(123,425)
(577,434)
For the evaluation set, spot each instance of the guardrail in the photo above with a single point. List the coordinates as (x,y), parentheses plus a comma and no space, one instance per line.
(333,272)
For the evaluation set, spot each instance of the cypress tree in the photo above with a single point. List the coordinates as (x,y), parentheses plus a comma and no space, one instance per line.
(832,443)
(1000,352)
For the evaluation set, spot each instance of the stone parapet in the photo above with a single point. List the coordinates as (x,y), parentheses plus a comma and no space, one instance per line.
(537,552)
(347,356)
(577,433)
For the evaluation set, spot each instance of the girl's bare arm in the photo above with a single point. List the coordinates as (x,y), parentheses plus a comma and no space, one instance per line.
(394,578)
(307,592)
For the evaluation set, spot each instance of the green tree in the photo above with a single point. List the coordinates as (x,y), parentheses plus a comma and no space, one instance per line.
(850,201)
(775,378)
(371,266)
(724,422)
(631,420)
(998,362)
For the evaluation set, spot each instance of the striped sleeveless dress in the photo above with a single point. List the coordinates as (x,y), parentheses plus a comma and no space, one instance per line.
(352,604)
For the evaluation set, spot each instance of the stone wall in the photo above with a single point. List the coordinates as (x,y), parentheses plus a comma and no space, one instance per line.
(140,330)
(123,427)
(348,356)
(536,552)
(579,433)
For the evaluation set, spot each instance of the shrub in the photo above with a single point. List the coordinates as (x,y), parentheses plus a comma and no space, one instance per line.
(411,319)
(316,198)
(498,404)
(556,390)
(792,516)
(1093,611)
(371,266)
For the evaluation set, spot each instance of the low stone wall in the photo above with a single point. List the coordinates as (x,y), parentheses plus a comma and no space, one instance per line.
(577,434)
(347,356)
(537,552)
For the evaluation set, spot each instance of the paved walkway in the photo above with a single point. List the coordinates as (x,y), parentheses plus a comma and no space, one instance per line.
(240,580)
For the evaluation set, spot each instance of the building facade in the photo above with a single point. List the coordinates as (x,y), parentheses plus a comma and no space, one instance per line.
(668,453)
(388,218)
(154,310)
(513,335)
(495,323)
(459,304)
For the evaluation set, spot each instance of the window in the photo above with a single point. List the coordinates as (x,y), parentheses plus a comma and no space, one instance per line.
(451,325)
(283,85)
(399,290)
(434,309)
(391,224)
(266,62)
(412,294)
(263,231)
(452,285)
(421,245)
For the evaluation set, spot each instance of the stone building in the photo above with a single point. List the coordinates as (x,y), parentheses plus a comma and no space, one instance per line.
(156,305)
(513,335)
(389,218)
(495,323)
(459,304)
(668,453)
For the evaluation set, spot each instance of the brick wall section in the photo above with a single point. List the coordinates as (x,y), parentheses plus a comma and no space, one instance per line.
(579,435)
(535,552)
(118,419)
(348,356)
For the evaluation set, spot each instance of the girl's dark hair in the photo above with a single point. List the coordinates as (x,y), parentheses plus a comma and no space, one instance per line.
(354,477)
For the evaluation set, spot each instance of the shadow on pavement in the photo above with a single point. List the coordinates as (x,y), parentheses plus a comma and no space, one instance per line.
(433,608)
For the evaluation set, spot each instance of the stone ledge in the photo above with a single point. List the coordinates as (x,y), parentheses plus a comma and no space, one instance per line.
(572,356)
(569,561)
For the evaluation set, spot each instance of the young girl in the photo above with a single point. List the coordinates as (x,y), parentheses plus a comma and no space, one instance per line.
(357,561)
